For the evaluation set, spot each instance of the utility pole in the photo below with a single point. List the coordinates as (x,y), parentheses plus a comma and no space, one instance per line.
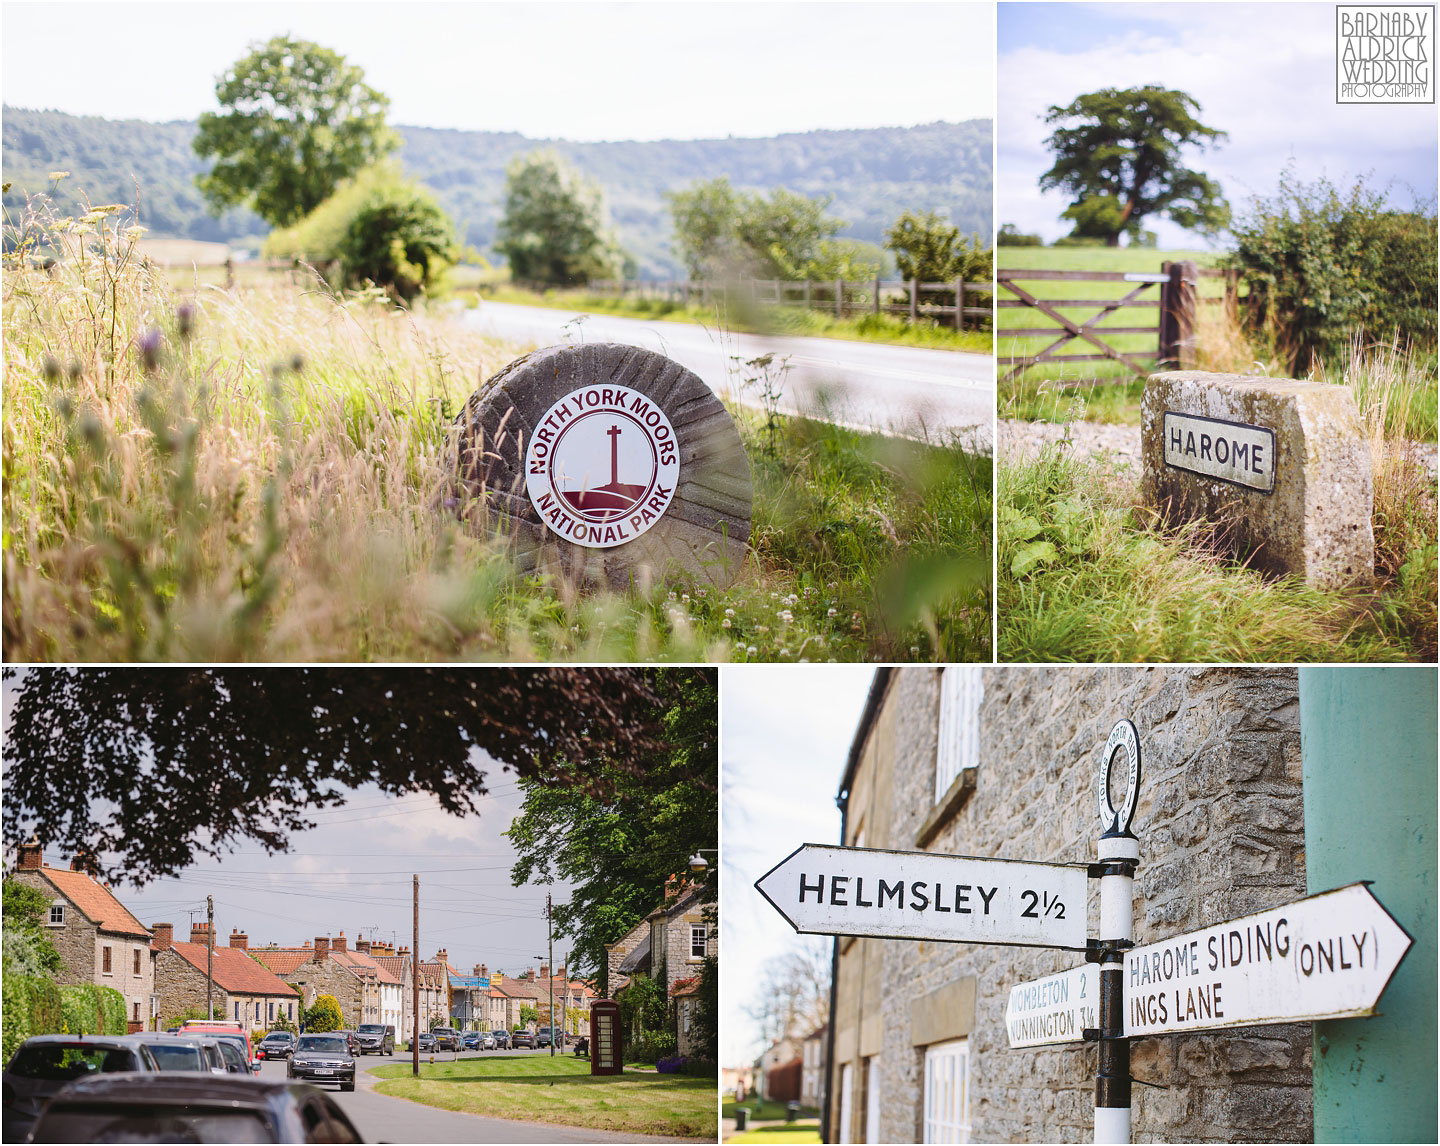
(550,939)
(415,988)
(210,957)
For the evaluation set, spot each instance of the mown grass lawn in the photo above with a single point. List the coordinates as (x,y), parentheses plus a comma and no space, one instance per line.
(768,1111)
(561,1090)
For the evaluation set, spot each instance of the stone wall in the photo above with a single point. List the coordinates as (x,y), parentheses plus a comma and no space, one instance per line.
(327,977)
(179,987)
(1220,824)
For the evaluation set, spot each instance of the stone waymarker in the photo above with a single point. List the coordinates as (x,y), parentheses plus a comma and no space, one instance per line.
(615,462)
(1286,462)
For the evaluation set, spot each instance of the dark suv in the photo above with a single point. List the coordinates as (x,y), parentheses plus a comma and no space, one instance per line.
(375,1037)
(522,1039)
(446,1038)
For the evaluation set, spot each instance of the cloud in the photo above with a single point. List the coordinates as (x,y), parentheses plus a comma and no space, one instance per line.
(1263,73)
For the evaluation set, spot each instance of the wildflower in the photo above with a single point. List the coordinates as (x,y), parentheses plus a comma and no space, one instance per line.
(832,612)
(914,650)
(729,612)
(150,344)
(685,598)
(784,652)
(58,175)
(185,320)
(726,623)
(50,368)
(786,615)
(750,651)
(792,600)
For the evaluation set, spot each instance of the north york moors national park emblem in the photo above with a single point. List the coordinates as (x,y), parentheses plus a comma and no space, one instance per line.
(602,465)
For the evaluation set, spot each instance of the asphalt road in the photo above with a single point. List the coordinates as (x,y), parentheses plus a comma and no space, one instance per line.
(920,393)
(380,1118)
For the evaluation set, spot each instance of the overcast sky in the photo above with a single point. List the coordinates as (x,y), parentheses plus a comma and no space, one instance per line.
(1265,73)
(785,733)
(580,71)
(353,873)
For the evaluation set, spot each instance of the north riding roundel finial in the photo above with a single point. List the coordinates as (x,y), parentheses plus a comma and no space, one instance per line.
(1116,821)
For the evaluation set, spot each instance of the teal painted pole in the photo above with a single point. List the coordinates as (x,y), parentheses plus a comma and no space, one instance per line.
(1368,757)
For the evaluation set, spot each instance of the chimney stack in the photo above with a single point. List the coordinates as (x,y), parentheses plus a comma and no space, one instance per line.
(29,859)
(362,946)
(338,943)
(239,940)
(200,933)
(544,970)
(322,948)
(164,936)
(483,970)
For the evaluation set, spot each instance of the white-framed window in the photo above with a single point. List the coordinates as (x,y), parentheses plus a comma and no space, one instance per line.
(847,1100)
(961,690)
(947,1092)
(57,915)
(106,960)
(697,940)
(872,1099)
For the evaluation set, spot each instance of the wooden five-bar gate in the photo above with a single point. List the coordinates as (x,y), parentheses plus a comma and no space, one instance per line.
(1175,331)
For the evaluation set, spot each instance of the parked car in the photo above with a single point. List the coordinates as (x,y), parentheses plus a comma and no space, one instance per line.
(376,1037)
(426,1040)
(44,1064)
(277,1044)
(545,1035)
(501,1037)
(470,1040)
(446,1038)
(520,1039)
(323,1058)
(191,1108)
(487,1040)
(219,1027)
(175,1052)
(351,1039)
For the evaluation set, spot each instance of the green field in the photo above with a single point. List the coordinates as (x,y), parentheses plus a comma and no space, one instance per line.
(561,1090)
(1112,391)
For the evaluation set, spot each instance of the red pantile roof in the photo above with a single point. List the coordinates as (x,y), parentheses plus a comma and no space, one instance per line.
(365,963)
(95,901)
(235,971)
(282,960)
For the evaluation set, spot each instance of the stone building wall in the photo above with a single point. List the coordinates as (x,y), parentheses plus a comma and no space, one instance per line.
(1221,830)
(74,940)
(327,977)
(179,987)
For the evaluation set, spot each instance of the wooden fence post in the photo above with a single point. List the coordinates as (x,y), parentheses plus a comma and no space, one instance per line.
(839,298)
(877,296)
(914,299)
(1177,314)
(960,304)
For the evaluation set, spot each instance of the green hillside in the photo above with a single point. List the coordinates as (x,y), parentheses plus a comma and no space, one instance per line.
(874,174)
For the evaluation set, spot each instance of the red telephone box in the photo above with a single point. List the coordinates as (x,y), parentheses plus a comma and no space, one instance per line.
(605,1056)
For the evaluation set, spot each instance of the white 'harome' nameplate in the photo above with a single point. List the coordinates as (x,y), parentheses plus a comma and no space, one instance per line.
(1230,451)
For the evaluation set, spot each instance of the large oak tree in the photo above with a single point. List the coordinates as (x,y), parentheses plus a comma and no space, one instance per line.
(295,120)
(1119,152)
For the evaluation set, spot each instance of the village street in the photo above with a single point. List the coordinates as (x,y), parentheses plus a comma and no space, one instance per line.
(383,1119)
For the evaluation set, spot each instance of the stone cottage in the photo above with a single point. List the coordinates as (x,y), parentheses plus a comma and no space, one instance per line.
(98,940)
(1002,762)
(244,990)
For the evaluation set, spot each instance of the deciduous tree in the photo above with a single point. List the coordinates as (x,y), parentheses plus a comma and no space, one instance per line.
(295,120)
(620,845)
(155,767)
(553,229)
(1119,151)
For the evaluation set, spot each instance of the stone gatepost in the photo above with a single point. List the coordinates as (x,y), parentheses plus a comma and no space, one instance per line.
(612,462)
(1285,463)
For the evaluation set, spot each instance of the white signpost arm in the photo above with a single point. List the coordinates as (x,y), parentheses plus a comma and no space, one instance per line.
(1118,854)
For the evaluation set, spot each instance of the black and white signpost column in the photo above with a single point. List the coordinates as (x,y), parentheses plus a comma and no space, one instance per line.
(1118,854)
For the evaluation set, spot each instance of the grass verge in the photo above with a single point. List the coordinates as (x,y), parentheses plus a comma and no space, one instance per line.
(561,1091)
(796,1132)
(883,328)
(769,1110)
(259,474)
(1084,574)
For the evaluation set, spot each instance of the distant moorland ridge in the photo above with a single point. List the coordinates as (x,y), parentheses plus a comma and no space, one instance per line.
(874,174)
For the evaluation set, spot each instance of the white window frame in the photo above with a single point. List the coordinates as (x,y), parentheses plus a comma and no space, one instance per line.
(847,1100)
(700,932)
(962,688)
(872,1099)
(946,1098)
(57,915)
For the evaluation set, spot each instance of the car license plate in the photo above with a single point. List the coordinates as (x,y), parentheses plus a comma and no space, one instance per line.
(319,1071)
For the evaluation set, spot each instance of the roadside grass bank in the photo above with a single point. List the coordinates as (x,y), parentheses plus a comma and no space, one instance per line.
(883,328)
(561,1090)
(260,474)
(1087,574)
(769,1110)
(794,1132)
